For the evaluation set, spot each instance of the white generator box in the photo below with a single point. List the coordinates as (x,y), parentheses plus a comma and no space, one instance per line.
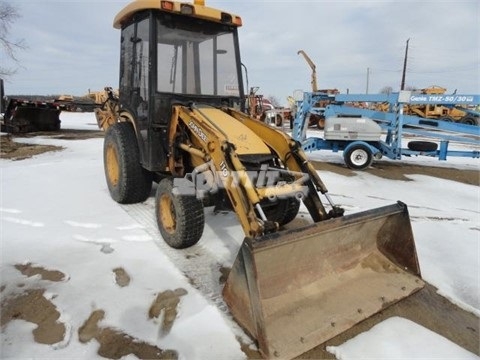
(352,128)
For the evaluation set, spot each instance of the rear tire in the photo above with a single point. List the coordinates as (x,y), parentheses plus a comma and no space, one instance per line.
(180,218)
(128,182)
(358,157)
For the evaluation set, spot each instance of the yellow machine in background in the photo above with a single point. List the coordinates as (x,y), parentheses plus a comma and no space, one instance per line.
(317,120)
(178,120)
(440,111)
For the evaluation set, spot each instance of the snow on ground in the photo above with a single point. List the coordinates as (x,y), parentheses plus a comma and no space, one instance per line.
(398,338)
(56,213)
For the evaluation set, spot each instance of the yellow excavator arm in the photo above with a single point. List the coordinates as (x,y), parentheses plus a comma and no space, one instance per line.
(313,67)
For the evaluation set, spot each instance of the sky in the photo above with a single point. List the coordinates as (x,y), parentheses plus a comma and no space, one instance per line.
(58,229)
(73,47)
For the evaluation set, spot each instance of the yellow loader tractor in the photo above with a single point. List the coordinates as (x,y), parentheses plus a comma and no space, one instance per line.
(178,121)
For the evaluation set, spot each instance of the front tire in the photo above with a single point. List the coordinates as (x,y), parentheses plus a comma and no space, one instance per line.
(128,182)
(180,217)
(283,211)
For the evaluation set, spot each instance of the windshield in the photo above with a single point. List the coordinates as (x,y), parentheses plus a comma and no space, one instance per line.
(196,57)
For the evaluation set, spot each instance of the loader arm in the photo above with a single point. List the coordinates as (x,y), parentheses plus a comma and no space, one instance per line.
(208,144)
(291,154)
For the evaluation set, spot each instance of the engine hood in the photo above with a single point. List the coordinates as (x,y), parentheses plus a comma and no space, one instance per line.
(245,140)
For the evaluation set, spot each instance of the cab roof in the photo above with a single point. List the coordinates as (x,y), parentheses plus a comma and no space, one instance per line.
(196,10)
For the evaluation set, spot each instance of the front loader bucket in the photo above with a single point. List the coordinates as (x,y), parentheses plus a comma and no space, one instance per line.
(28,119)
(294,290)
(22,116)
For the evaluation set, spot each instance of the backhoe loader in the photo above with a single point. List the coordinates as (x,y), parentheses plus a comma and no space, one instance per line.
(179,121)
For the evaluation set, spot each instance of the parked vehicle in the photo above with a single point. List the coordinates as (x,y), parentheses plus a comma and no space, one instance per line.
(179,121)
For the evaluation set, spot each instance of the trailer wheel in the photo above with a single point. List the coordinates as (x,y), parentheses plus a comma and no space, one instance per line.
(180,218)
(128,182)
(422,146)
(358,157)
(470,120)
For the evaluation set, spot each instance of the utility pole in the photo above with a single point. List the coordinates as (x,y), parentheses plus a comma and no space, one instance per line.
(368,79)
(402,86)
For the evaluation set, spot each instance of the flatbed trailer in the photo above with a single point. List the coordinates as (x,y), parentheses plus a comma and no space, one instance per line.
(23,115)
(40,113)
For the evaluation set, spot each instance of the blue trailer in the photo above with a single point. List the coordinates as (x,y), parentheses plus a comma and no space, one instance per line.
(364,134)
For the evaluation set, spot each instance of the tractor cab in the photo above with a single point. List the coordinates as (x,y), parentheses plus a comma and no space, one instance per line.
(174,53)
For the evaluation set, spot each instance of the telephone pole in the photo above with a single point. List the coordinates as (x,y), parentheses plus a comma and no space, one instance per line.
(402,86)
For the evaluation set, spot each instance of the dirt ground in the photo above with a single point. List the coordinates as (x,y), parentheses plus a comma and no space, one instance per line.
(425,307)
(399,170)
(31,305)
(13,150)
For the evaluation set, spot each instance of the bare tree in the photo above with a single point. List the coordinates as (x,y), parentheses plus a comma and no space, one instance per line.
(386,90)
(411,88)
(8,15)
(274,101)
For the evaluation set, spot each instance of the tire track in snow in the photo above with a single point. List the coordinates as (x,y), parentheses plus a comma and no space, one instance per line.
(199,265)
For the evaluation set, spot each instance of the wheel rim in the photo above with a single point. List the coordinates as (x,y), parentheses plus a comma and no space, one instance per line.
(167,214)
(113,169)
(359,157)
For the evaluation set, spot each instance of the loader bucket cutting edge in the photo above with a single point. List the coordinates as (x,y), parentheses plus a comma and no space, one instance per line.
(294,290)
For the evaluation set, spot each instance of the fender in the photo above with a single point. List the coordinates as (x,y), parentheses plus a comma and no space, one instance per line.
(374,150)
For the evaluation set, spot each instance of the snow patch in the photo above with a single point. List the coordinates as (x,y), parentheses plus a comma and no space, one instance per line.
(399,338)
